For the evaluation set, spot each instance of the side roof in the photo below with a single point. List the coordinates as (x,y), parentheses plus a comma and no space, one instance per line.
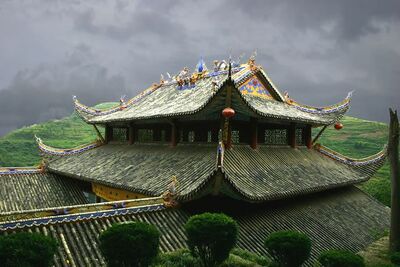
(30,188)
(257,92)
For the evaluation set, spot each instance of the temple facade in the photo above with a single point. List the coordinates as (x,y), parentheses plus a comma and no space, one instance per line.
(220,139)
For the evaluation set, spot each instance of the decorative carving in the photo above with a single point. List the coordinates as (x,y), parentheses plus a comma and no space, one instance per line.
(169,196)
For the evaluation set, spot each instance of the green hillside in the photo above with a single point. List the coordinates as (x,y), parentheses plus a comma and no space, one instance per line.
(358,138)
(18,148)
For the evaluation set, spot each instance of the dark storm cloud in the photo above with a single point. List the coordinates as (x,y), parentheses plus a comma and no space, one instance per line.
(316,50)
(45,92)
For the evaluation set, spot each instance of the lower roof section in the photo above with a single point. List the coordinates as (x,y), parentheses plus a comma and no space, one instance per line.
(270,173)
(266,173)
(36,190)
(343,218)
(144,169)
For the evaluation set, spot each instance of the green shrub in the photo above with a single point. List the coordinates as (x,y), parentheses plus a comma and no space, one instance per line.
(340,258)
(27,249)
(244,254)
(289,248)
(395,258)
(211,237)
(130,244)
(178,258)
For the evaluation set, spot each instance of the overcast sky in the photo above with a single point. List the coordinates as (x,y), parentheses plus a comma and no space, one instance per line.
(99,50)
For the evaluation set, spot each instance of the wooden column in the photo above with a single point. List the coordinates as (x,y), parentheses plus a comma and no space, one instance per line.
(307,136)
(131,134)
(174,134)
(108,133)
(292,135)
(393,155)
(254,133)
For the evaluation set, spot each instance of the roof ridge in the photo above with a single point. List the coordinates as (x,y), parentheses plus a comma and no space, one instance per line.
(13,219)
(20,170)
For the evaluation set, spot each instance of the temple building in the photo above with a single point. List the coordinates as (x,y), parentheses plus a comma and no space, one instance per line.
(221,139)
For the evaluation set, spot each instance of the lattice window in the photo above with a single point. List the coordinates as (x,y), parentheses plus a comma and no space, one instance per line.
(276,137)
(191,136)
(209,137)
(300,140)
(181,136)
(120,134)
(235,136)
(145,135)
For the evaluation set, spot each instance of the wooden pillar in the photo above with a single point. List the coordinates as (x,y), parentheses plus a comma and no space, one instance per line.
(157,134)
(292,135)
(174,134)
(108,133)
(254,133)
(131,134)
(307,136)
(228,144)
(393,155)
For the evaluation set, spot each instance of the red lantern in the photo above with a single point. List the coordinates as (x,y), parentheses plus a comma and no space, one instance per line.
(338,126)
(228,113)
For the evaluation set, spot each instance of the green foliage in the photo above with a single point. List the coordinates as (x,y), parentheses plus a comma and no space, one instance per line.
(178,258)
(395,258)
(130,244)
(27,249)
(244,254)
(211,236)
(340,258)
(289,248)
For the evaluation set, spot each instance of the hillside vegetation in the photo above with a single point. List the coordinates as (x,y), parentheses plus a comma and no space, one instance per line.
(358,138)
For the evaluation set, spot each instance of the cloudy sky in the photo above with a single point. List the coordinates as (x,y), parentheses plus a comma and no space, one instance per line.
(99,50)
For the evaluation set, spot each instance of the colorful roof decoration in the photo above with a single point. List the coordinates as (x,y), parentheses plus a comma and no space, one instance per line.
(280,172)
(19,170)
(48,150)
(186,94)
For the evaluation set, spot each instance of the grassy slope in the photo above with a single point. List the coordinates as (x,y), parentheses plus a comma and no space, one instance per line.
(358,138)
(19,148)
(361,138)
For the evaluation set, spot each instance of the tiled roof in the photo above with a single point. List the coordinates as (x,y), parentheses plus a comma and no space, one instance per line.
(341,219)
(284,172)
(37,190)
(253,175)
(258,92)
(145,169)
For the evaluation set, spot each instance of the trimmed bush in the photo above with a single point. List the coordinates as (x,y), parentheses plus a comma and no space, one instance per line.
(211,236)
(340,258)
(289,248)
(27,249)
(395,258)
(130,244)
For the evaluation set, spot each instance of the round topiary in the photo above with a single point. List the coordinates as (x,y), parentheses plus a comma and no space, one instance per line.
(289,248)
(211,236)
(130,244)
(395,258)
(27,249)
(340,258)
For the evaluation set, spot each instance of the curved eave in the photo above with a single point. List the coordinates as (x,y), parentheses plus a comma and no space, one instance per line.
(366,166)
(52,151)
(323,118)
